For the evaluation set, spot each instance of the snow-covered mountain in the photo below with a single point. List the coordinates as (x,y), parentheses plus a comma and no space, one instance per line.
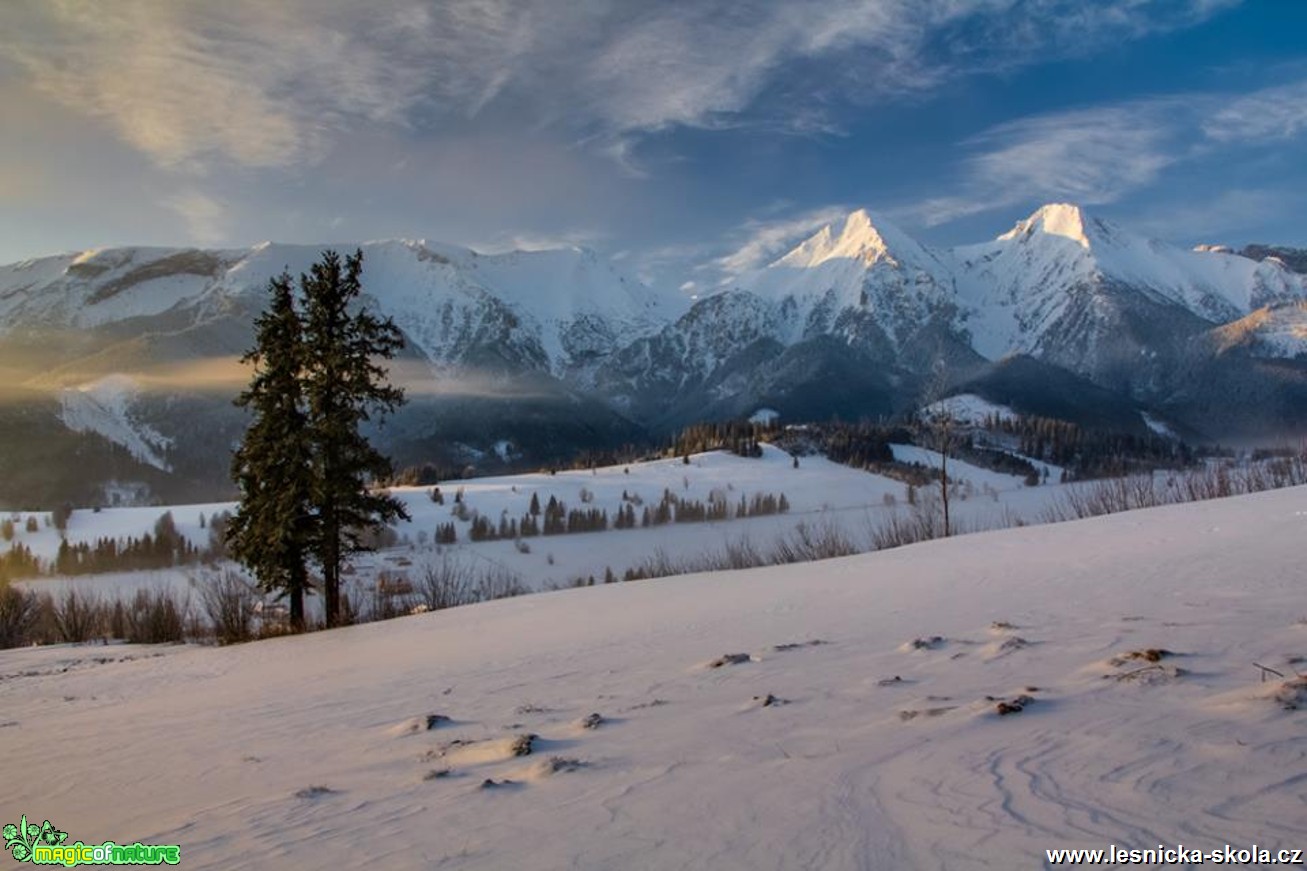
(138,347)
(1086,295)
(555,311)
(856,309)
(862,307)
(529,355)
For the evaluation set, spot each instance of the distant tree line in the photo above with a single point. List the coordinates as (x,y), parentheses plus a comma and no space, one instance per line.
(18,562)
(741,437)
(163,547)
(1091,453)
(556,518)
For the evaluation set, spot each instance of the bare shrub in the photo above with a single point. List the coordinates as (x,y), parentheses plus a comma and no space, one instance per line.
(382,604)
(19,611)
(117,614)
(448,582)
(444,583)
(825,539)
(899,529)
(155,617)
(353,605)
(741,554)
(498,583)
(77,616)
(228,601)
(380,537)
(656,565)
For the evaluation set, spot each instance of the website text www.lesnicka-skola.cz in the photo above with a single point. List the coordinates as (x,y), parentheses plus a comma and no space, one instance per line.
(1177,855)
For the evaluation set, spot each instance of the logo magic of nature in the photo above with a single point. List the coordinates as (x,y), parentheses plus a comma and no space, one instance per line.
(44,845)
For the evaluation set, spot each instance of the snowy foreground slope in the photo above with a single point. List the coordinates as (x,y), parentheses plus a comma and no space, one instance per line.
(218,749)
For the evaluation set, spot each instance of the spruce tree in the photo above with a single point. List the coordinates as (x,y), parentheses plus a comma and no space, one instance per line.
(345,387)
(272,529)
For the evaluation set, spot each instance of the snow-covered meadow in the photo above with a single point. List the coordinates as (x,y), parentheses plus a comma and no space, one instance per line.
(842,714)
(822,496)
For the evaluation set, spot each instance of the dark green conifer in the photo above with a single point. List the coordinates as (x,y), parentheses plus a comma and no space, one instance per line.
(273,528)
(345,386)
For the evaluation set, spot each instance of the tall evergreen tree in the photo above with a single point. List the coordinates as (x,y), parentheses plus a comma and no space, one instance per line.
(272,529)
(345,386)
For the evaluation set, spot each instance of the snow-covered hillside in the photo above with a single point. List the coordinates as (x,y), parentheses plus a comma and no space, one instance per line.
(840,715)
(103,406)
(1278,332)
(821,495)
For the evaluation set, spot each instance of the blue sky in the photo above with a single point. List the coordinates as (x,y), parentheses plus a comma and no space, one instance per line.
(688,139)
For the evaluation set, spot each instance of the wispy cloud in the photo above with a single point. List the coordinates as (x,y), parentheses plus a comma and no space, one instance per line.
(1273,113)
(535,241)
(262,84)
(762,240)
(1102,154)
(259,84)
(1090,156)
(205,217)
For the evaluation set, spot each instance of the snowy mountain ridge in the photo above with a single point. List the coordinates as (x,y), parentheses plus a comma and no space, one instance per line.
(556,351)
(555,309)
(560,310)
(1009,291)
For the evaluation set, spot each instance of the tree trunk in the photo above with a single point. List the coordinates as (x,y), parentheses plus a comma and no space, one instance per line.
(298,582)
(331,577)
(943,487)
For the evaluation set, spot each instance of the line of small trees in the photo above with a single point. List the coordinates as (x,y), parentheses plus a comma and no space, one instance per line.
(741,437)
(555,518)
(164,547)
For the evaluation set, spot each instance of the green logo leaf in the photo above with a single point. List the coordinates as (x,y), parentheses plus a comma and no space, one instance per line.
(21,839)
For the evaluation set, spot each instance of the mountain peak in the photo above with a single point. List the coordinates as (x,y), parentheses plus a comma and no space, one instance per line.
(859,237)
(1055,219)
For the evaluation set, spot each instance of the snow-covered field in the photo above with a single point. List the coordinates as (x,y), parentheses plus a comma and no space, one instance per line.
(881,746)
(821,493)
